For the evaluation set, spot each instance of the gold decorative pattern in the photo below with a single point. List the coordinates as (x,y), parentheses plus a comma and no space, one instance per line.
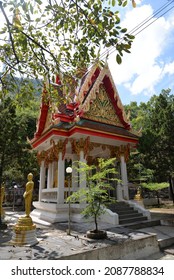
(41,156)
(24,224)
(111,148)
(80,145)
(101,109)
(52,154)
(123,150)
(59,147)
(114,151)
(105,72)
(86,84)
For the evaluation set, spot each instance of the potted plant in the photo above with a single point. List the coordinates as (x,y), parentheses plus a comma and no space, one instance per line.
(95,196)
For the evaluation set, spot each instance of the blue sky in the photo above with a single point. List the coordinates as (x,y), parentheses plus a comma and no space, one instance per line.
(150,66)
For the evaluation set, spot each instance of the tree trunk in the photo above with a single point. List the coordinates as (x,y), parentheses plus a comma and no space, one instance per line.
(1,173)
(171,182)
(157,194)
(96,224)
(0,190)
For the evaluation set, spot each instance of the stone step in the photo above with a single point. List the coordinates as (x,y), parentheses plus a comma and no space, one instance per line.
(132,220)
(125,211)
(122,208)
(166,242)
(129,215)
(119,204)
(143,224)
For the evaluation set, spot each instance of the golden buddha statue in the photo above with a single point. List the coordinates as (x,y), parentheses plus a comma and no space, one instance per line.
(138,195)
(28,194)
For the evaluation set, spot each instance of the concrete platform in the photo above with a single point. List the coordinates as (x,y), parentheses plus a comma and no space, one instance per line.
(122,243)
(165,234)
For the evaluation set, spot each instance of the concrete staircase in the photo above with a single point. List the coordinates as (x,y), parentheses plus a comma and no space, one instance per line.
(126,213)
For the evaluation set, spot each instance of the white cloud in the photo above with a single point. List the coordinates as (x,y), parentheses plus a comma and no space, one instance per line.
(145,81)
(143,69)
(169,68)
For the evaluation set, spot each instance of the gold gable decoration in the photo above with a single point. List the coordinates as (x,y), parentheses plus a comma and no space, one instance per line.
(101,109)
(52,154)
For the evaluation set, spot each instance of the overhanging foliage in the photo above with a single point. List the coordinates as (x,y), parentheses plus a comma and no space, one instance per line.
(42,38)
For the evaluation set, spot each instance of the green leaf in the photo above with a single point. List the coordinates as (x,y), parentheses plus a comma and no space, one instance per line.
(123,30)
(38,2)
(118,59)
(25,7)
(127,51)
(31,9)
(127,46)
(124,4)
(130,36)
(28,16)
(70,26)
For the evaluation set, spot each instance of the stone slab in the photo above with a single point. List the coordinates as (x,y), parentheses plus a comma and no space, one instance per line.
(54,243)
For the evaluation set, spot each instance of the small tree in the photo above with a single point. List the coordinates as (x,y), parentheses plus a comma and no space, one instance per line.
(96,195)
(155,187)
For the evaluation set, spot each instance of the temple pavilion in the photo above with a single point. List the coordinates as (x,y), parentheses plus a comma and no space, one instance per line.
(93,124)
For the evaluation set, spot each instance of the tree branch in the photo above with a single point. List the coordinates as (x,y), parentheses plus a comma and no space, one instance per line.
(26,35)
(94,27)
(9,31)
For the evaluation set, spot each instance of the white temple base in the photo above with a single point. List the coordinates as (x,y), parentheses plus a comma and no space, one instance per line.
(54,213)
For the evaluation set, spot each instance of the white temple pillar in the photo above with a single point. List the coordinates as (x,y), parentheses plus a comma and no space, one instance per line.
(42,179)
(82,175)
(75,179)
(124,177)
(119,191)
(61,179)
(52,173)
(49,179)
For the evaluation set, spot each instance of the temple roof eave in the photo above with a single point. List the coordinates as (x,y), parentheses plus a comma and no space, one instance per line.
(85,128)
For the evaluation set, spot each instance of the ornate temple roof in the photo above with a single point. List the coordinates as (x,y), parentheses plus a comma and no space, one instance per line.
(95,107)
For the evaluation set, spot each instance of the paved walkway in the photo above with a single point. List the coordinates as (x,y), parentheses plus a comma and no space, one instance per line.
(54,243)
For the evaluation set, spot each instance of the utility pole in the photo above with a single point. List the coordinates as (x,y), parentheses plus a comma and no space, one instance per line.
(69,171)
(2,224)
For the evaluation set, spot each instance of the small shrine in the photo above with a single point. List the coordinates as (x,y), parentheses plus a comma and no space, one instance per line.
(92,125)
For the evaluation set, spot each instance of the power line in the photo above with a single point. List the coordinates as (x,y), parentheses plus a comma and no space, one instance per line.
(143,23)
(112,49)
(131,32)
(150,17)
(155,20)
